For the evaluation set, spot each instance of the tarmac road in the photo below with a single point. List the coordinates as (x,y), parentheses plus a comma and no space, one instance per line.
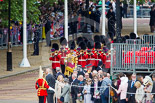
(19,89)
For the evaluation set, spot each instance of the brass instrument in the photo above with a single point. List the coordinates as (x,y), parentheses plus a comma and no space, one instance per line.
(89,52)
(97,51)
(102,45)
(55,53)
(82,51)
(63,49)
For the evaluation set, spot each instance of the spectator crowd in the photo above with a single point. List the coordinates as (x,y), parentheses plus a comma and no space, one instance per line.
(94,87)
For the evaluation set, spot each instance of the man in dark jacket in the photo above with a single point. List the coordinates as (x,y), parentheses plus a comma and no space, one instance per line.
(51,82)
(111,20)
(36,41)
(74,88)
(47,31)
(79,90)
(131,89)
(97,19)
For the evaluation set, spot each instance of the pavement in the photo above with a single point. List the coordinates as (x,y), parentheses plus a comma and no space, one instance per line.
(43,58)
(17,56)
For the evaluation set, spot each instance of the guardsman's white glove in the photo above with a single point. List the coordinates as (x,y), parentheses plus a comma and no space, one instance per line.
(50,88)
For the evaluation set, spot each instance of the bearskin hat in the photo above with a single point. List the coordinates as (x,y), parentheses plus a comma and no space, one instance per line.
(85,40)
(97,45)
(111,35)
(71,44)
(79,39)
(63,41)
(115,40)
(97,38)
(55,46)
(132,36)
(82,45)
(123,39)
(102,39)
(127,37)
(90,44)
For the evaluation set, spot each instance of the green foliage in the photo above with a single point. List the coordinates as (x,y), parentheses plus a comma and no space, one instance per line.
(17,11)
(141,1)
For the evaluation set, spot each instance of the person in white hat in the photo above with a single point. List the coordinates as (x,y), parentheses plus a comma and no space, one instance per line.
(147,82)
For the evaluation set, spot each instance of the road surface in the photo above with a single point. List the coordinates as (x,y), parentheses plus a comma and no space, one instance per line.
(19,89)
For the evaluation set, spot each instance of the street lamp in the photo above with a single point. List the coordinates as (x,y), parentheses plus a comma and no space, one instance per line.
(9,52)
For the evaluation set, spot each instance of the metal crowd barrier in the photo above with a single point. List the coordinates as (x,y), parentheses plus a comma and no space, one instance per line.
(141,13)
(139,58)
(15,38)
(133,41)
(148,39)
(144,39)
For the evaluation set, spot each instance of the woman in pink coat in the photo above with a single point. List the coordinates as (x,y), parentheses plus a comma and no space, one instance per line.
(122,90)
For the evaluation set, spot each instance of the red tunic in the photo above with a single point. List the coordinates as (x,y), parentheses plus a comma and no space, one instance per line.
(108,62)
(55,61)
(91,59)
(82,60)
(41,85)
(97,59)
(63,55)
(103,58)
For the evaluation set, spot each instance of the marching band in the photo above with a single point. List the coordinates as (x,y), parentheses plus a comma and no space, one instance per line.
(82,53)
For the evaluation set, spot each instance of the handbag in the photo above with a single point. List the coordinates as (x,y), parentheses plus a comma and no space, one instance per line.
(62,99)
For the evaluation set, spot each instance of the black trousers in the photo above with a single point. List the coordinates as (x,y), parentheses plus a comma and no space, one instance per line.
(50,98)
(36,48)
(63,68)
(54,71)
(131,99)
(42,99)
(97,100)
(73,100)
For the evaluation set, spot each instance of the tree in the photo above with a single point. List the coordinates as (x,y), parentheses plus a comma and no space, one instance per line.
(17,11)
(141,2)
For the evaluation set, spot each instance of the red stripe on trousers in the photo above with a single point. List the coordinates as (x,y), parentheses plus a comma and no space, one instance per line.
(44,99)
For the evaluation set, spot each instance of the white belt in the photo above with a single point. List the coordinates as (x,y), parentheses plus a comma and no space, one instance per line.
(55,61)
(63,57)
(97,59)
(82,60)
(108,60)
(90,59)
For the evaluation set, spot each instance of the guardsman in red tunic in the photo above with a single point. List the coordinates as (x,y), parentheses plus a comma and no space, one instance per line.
(55,57)
(42,86)
(63,52)
(82,57)
(98,54)
(108,58)
(90,55)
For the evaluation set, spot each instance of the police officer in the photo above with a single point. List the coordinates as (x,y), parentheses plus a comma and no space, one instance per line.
(97,19)
(36,41)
